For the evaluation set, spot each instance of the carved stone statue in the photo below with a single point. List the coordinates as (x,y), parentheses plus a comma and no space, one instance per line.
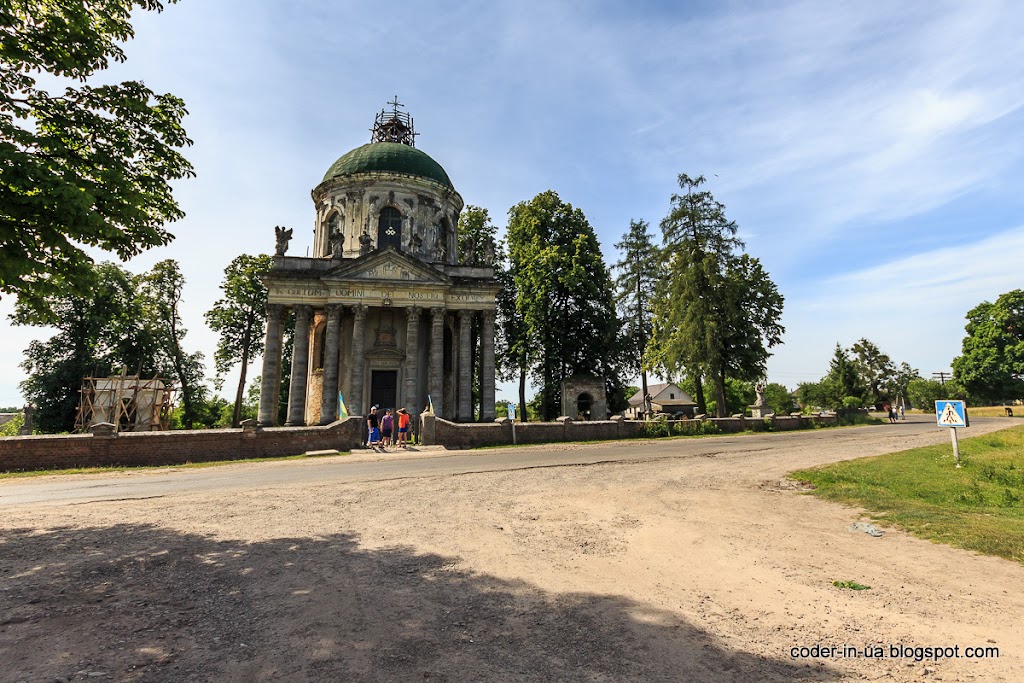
(439,252)
(28,427)
(489,252)
(337,244)
(365,244)
(759,392)
(284,235)
(415,244)
(469,246)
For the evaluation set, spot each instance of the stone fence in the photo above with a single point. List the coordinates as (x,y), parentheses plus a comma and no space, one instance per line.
(105,448)
(434,430)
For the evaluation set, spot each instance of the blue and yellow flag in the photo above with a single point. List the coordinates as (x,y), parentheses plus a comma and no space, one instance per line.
(430,404)
(342,408)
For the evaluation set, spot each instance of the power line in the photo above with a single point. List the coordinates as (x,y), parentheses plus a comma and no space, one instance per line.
(942,376)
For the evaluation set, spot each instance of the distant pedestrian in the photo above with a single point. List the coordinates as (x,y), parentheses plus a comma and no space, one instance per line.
(373,426)
(903,412)
(403,428)
(387,425)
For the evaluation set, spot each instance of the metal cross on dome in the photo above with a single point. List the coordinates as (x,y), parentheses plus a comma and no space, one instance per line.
(394,126)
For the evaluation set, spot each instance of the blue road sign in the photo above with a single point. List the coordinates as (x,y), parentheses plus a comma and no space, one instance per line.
(951,414)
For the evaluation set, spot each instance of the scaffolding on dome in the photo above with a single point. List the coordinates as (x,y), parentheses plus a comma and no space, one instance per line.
(130,403)
(394,126)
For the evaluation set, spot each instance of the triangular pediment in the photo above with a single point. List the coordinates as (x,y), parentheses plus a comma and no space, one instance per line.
(387,265)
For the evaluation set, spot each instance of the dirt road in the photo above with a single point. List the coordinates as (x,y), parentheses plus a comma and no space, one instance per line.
(681,560)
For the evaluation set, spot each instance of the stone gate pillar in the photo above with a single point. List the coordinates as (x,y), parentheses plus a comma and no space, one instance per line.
(270,380)
(300,367)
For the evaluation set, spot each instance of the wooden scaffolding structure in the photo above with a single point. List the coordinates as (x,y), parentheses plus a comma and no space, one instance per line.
(128,402)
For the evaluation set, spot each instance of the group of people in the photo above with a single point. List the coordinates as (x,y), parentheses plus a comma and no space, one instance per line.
(895,413)
(390,429)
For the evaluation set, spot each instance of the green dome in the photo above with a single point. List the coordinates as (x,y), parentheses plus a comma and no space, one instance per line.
(391,157)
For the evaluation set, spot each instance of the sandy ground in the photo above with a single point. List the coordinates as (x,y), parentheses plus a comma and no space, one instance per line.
(697,568)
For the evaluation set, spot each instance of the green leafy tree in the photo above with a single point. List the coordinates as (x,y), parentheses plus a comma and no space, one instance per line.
(876,370)
(161,291)
(239,317)
(778,398)
(97,334)
(563,296)
(637,274)
(750,319)
(83,165)
(477,237)
(991,366)
(923,393)
(715,311)
(900,380)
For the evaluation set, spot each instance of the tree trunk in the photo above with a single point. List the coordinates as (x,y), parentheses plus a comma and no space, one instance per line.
(698,385)
(522,394)
(240,394)
(721,405)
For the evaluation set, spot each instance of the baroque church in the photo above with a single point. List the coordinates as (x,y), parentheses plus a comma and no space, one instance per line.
(387,311)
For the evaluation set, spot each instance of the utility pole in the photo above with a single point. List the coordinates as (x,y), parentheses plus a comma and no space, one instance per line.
(942,376)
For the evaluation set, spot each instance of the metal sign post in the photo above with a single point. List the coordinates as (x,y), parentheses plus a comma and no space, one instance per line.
(952,414)
(512,416)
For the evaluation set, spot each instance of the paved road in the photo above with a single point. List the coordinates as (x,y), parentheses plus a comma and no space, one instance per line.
(79,489)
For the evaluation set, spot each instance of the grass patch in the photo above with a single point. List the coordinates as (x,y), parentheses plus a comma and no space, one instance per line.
(852,585)
(993,411)
(143,468)
(978,507)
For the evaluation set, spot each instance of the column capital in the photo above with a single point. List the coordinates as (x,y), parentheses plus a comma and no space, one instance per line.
(465,315)
(276,310)
(438,312)
(334,309)
(303,309)
(413,312)
(487,317)
(359,311)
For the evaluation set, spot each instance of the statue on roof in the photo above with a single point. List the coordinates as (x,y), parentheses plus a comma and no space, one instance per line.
(365,243)
(284,235)
(337,244)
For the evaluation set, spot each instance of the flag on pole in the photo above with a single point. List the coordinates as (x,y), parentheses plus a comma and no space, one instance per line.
(342,409)
(430,404)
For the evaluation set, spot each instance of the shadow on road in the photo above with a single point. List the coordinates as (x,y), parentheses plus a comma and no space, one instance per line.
(143,603)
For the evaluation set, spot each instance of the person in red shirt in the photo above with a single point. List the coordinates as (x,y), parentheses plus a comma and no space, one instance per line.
(403,428)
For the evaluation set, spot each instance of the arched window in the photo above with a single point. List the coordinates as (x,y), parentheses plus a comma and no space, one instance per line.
(389,228)
(334,223)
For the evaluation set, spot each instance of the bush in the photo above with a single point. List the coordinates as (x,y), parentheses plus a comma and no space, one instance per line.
(12,427)
(662,427)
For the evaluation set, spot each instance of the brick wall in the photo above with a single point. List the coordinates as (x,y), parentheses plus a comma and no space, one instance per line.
(43,452)
(435,430)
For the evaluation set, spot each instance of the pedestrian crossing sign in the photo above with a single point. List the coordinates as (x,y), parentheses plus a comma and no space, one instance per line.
(951,414)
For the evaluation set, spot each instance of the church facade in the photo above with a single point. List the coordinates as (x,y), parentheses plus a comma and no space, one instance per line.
(387,310)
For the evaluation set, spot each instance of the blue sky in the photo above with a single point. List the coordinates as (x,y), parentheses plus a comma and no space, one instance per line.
(871,152)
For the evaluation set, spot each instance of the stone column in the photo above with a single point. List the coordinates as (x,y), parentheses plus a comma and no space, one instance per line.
(270,380)
(358,360)
(329,400)
(465,367)
(300,367)
(437,359)
(487,367)
(412,343)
